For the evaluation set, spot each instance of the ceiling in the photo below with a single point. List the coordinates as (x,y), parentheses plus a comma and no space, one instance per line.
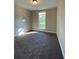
(42,4)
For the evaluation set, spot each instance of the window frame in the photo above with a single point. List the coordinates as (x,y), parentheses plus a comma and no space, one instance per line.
(44,19)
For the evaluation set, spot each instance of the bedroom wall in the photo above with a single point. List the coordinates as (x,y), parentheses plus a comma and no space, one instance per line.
(61,24)
(51,19)
(22,19)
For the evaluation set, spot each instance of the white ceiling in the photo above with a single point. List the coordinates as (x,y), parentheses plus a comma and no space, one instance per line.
(42,4)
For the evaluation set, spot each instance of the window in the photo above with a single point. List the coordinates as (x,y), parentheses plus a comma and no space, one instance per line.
(42,20)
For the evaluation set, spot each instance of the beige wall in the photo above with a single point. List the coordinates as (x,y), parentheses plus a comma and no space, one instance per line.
(51,18)
(61,24)
(22,19)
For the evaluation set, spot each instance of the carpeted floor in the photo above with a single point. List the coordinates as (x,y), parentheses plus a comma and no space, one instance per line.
(37,45)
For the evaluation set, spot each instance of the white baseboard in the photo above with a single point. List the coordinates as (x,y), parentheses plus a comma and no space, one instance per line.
(60,42)
(45,31)
(50,31)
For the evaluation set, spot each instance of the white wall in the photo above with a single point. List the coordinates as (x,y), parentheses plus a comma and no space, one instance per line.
(22,19)
(61,24)
(51,19)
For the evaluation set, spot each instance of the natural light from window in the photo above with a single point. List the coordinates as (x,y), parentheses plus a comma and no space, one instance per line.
(20,31)
(42,20)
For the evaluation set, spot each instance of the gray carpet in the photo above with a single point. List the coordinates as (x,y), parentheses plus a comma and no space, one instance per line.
(38,45)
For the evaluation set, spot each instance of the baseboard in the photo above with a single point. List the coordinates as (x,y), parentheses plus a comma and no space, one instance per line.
(60,46)
(45,31)
(49,31)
